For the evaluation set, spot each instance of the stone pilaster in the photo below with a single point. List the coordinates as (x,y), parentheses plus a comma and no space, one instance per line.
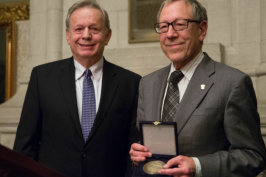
(54,30)
(261,70)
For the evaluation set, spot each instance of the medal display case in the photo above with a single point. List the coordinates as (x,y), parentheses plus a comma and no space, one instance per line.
(161,140)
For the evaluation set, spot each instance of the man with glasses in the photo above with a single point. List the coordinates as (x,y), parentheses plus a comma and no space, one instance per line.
(214,105)
(79,113)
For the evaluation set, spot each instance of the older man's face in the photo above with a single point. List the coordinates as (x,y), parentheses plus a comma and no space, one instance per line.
(87,36)
(181,46)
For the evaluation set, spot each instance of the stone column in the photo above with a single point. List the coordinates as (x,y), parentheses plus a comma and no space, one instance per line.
(66,52)
(46,31)
(261,70)
(54,30)
(38,36)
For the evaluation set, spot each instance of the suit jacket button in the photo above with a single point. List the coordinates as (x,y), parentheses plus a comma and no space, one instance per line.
(83,155)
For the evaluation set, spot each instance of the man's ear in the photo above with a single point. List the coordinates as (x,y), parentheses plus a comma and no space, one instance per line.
(203,26)
(108,36)
(67,37)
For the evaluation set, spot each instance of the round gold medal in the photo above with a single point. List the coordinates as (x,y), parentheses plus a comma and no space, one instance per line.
(153,167)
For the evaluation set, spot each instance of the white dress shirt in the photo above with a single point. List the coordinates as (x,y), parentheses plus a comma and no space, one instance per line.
(97,72)
(188,71)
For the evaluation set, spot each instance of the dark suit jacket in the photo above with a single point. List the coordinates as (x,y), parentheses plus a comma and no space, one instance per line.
(219,124)
(50,132)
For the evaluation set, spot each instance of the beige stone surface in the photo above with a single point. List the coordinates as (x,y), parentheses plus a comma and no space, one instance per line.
(7,136)
(23,32)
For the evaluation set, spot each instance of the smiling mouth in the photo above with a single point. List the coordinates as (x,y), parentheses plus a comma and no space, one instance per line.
(86,45)
(174,45)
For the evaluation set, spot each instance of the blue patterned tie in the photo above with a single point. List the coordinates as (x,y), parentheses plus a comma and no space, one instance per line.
(88,105)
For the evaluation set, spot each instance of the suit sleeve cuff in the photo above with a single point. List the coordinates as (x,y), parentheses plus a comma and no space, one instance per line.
(198,167)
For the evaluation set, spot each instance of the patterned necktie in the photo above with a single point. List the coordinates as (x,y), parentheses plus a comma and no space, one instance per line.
(172,97)
(88,105)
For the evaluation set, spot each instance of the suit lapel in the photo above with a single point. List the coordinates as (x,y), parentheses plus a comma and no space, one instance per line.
(109,87)
(68,87)
(158,93)
(194,94)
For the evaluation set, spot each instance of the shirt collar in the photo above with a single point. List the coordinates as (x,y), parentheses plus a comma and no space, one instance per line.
(189,68)
(96,70)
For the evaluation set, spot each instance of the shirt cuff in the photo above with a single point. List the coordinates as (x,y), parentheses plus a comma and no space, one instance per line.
(198,167)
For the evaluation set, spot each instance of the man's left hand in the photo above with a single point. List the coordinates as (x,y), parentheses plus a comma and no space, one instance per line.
(185,167)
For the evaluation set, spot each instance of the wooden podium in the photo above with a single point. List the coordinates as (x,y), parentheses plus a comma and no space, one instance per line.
(13,164)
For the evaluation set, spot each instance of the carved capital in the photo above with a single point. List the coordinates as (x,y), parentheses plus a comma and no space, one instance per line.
(14,11)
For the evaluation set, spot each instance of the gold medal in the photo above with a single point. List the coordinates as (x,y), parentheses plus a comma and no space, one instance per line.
(153,167)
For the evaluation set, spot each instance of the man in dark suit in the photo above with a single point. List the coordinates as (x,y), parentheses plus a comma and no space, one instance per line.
(54,124)
(214,105)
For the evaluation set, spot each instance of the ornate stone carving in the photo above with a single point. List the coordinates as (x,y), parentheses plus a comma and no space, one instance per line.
(14,11)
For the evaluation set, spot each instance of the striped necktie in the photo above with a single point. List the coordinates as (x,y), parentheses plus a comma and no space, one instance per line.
(172,97)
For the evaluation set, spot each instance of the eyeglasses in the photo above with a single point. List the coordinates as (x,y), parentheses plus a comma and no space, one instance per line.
(178,25)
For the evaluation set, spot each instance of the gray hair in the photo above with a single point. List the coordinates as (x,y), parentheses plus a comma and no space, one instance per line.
(199,13)
(90,4)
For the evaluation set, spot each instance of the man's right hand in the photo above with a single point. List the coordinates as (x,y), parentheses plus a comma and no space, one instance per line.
(138,153)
